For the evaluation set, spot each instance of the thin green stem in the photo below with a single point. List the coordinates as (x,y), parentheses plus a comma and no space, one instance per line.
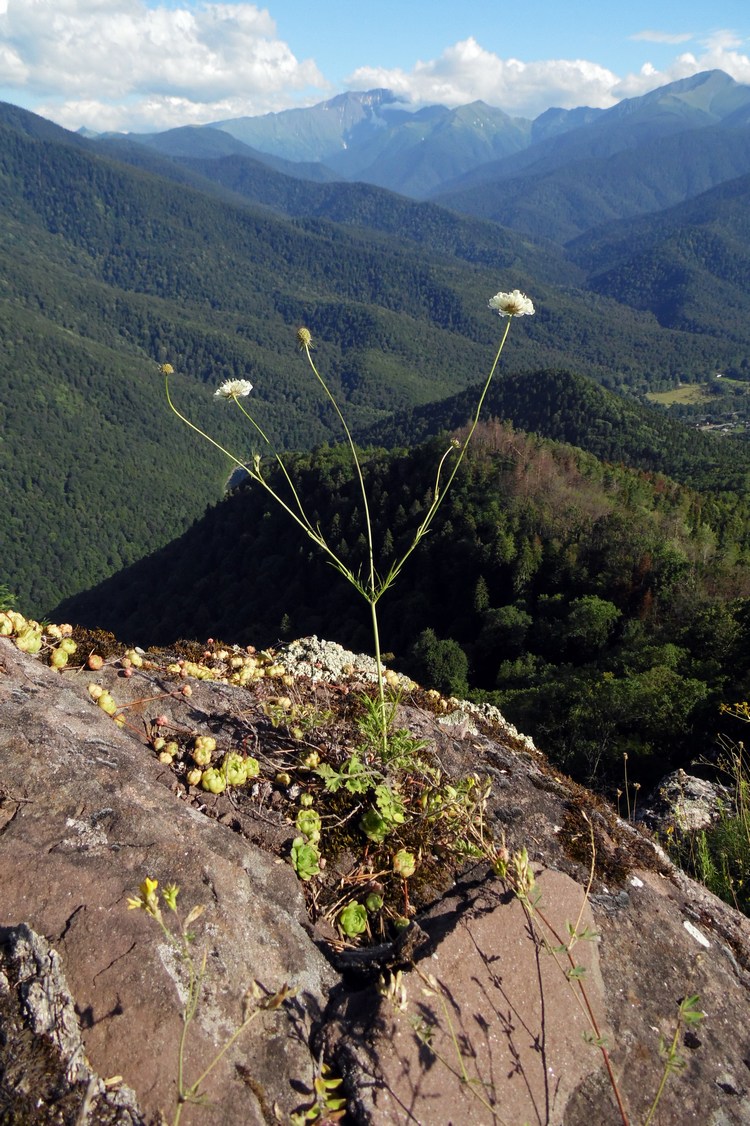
(195,984)
(303,523)
(583,1000)
(374,592)
(280,461)
(440,494)
(356,461)
(668,1067)
(195,1087)
(475,422)
(381,685)
(198,430)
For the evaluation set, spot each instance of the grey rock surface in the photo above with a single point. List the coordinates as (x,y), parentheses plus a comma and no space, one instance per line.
(685,803)
(86,814)
(87,810)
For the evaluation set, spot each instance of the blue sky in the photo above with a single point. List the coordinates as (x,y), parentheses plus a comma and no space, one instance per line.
(153,64)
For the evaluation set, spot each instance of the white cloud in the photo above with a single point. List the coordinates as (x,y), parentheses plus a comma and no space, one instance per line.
(718,54)
(723,40)
(90,61)
(466,72)
(152,64)
(662,37)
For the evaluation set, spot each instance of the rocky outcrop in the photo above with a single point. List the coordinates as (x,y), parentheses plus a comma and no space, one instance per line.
(683,803)
(475,1013)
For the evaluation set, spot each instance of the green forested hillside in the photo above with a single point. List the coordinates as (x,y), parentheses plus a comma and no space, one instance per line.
(561,203)
(567,407)
(377,210)
(107,270)
(689,264)
(603,608)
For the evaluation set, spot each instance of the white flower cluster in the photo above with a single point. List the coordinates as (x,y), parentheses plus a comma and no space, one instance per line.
(515,304)
(233,389)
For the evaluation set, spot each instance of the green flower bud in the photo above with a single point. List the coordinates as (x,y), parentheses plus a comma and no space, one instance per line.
(308,822)
(353,920)
(404,863)
(203,747)
(29,640)
(213,781)
(233,769)
(58,659)
(106,703)
(201,756)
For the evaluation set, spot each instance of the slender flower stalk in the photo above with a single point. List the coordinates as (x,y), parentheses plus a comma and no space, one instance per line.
(510,305)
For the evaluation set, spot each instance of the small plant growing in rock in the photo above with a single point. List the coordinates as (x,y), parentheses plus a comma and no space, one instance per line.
(352,920)
(181,938)
(329,1105)
(516,872)
(373,585)
(305,858)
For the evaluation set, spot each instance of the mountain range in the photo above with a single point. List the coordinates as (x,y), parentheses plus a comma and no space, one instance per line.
(461,156)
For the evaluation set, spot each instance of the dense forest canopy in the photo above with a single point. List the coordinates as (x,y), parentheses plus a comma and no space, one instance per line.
(603,608)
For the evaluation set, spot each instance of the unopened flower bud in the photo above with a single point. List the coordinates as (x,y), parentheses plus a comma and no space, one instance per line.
(106,703)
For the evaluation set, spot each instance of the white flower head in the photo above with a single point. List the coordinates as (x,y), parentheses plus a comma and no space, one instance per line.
(515,304)
(233,389)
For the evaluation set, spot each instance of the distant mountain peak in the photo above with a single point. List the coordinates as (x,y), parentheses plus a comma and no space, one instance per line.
(313,133)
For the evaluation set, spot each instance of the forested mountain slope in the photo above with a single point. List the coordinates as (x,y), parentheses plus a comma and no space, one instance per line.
(689,264)
(605,608)
(641,155)
(567,407)
(563,202)
(109,269)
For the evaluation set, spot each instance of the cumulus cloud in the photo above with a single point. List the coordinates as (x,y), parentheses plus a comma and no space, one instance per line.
(119,63)
(718,53)
(466,72)
(151,64)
